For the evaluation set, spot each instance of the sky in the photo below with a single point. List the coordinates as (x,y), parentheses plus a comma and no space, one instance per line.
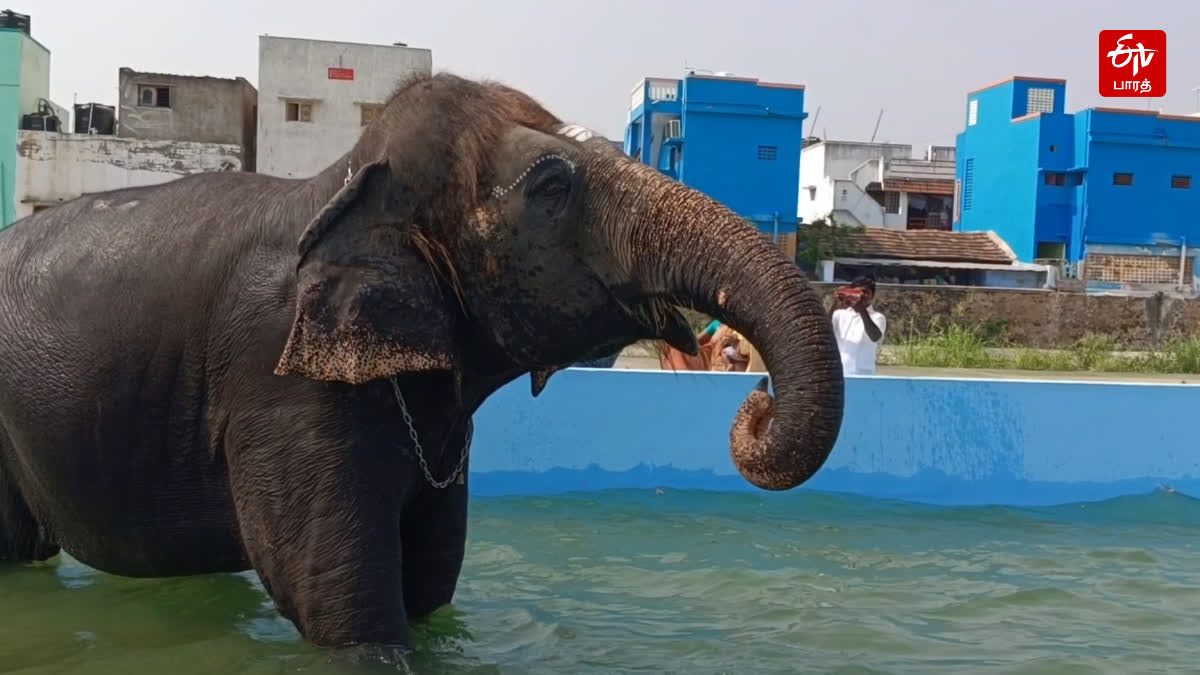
(913,59)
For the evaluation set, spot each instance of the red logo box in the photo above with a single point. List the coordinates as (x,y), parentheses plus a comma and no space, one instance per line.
(1133,63)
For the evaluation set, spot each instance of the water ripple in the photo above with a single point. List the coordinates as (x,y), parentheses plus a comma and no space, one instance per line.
(695,583)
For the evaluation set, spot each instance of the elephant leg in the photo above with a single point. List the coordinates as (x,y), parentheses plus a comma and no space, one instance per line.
(22,539)
(434,531)
(319,507)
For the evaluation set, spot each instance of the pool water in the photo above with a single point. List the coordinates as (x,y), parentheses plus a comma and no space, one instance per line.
(692,582)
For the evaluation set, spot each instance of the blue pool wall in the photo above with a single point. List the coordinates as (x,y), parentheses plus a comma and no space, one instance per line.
(934,440)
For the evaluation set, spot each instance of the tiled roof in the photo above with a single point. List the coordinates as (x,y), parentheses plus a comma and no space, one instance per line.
(941,245)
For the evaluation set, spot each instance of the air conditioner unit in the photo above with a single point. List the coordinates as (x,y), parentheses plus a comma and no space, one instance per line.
(674,128)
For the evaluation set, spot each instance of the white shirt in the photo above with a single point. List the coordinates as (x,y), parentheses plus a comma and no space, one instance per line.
(857,349)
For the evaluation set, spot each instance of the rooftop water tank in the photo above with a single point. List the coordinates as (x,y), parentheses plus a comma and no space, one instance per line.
(95,116)
(39,122)
(10,19)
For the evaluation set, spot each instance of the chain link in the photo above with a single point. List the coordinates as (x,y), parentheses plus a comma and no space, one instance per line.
(412,433)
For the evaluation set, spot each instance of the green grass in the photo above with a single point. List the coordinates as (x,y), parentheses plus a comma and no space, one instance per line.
(957,346)
(951,347)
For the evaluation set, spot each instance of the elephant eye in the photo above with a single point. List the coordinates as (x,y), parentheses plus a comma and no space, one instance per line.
(554,187)
(551,185)
(551,178)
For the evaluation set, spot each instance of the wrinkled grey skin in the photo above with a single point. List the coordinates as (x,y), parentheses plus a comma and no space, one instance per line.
(197,376)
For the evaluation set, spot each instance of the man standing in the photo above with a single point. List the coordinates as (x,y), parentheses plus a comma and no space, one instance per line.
(858,326)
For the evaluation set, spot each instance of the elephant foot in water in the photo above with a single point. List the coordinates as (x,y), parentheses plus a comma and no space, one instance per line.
(22,539)
(376,658)
(434,531)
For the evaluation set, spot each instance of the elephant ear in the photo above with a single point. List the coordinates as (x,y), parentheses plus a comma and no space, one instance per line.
(368,303)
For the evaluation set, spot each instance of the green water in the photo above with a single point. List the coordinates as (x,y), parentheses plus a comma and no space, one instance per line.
(696,583)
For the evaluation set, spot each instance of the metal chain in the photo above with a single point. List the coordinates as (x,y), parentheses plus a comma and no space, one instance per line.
(412,433)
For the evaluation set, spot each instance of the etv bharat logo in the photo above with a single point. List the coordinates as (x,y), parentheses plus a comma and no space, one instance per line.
(1133,63)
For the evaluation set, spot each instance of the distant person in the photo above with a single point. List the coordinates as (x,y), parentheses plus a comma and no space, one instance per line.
(726,355)
(704,339)
(670,358)
(743,353)
(858,326)
(743,357)
(756,364)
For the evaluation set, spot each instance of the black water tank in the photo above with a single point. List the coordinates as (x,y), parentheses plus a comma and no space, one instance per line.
(10,19)
(102,118)
(35,122)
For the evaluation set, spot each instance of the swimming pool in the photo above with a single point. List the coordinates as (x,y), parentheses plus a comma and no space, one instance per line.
(610,533)
(665,581)
(938,440)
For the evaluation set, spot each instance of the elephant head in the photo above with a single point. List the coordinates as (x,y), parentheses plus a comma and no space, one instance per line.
(473,219)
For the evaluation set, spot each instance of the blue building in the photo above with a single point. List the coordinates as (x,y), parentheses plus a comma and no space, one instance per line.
(1105,193)
(735,139)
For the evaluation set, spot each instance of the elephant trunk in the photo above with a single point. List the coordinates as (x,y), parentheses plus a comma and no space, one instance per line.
(677,242)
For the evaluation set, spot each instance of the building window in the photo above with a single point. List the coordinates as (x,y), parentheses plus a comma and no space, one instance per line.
(973,112)
(1181,182)
(768,152)
(154,96)
(297,111)
(1053,148)
(1051,250)
(968,189)
(1122,179)
(1039,100)
(1053,178)
(1076,178)
(891,201)
(369,112)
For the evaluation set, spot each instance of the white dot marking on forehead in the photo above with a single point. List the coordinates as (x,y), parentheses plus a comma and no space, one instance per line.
(499,192)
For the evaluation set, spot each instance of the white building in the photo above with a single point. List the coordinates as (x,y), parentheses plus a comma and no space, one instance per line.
(314,97)
(55,167)
(159,142)
(877,185)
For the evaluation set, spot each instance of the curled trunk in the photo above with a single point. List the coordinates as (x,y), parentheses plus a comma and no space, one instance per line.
(679,243)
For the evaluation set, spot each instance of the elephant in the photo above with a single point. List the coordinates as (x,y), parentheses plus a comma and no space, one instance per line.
(600,362)
(233,371)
